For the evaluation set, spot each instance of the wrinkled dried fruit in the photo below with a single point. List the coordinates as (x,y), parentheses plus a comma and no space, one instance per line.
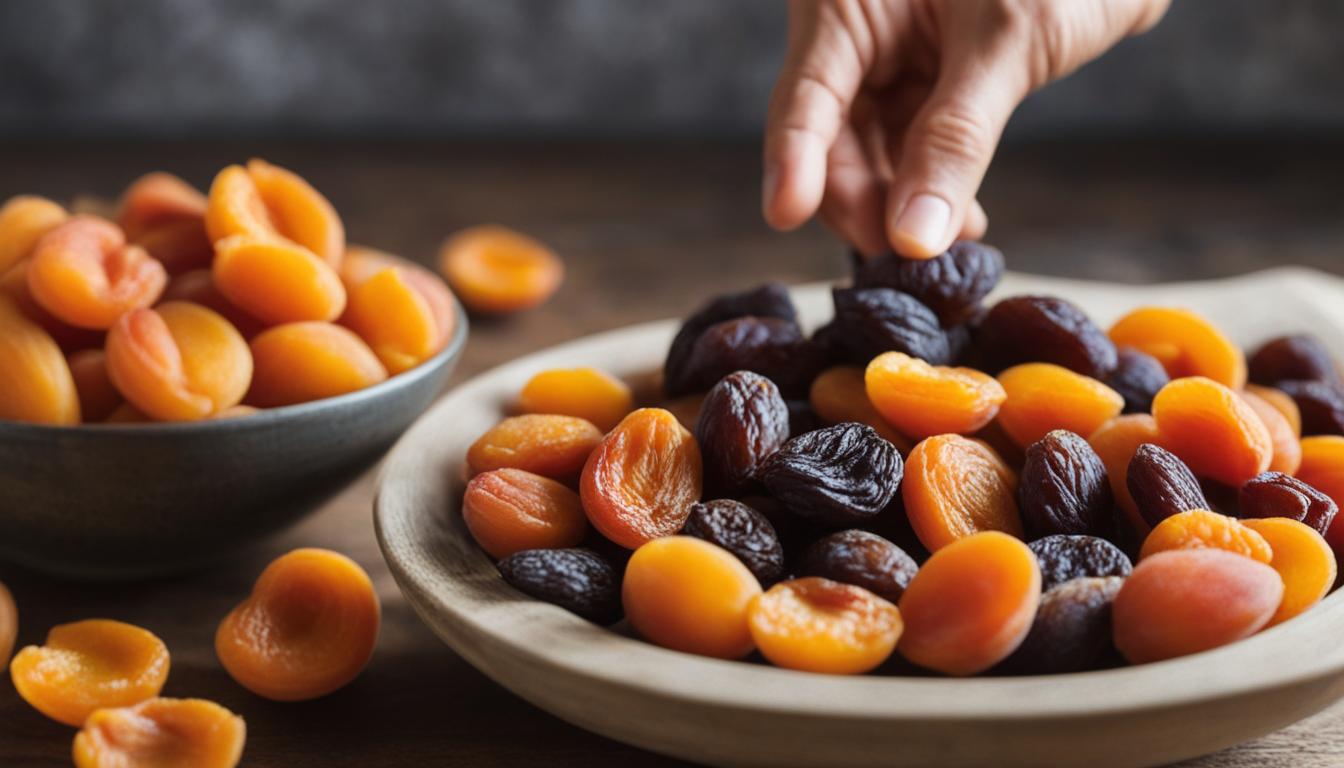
(742,531)
(161,733)
(1072,630)
(863,559)
(1287,450)
(764,345)
(586,393)
(1044,329)
(742,422)
(1116,442)
(1162,485)
(546,444)
(1300,357)
(921,400)
(1063,488)
(956,487)
(870,321)
(1044,397)
(578,580)
(952,284)
(1202,529)
(84,273)
(1212,430)
(1321,405)
(838,395)
(509,510)
(839,475)
(769,300)
(1303,559)
(1138,377)
(818,625)
(1064,558)
(1185,343)
(1274,494)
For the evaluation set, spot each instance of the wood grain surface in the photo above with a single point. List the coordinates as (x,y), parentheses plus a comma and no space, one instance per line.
(647,230)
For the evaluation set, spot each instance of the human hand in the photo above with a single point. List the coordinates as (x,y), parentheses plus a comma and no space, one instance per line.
(887,112)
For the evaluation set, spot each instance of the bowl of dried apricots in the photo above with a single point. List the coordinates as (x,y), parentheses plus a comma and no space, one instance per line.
(939,515)
(188,371)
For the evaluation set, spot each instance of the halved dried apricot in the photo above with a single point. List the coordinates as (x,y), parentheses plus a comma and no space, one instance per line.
(586,393)
(98,397)
(160,733)
(1213,430)
(1042,397)
(509,510)
(1202,529)
(818,625)
(302,362)
(264,201)
(198,287)
(955,487)
(550,445)
(85,273)
(35,380)
(1185,343)
(1286,455)
(276,281)
(1303,559)
(494,269)
(405,317)
(23,221)
(1323,469)
(922,400)
(839,394)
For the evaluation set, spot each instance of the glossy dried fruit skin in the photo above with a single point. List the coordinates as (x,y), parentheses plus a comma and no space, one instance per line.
(870,321)
(837,475)
(277,282)
(9,626)
(586,393)
(1202,529)
(266,202)
(98,397)
(819,625)
(971,604)
(1064,558)
(405,317)
(742,531)
(956,487)
(546,444)
(863,559)
(922,400)
(764,345)
(640,481)
(1212,430)
(302,362)
(1320,404)
(24,219)
(1185,343)
(1274,494)
(1162,485)
(1303,560)
(90,665)
(1186,601)
(1323,469)
(743,421)
(510,510)
(768,300)
(1116,442)
(1138,377)
(1044,397)
(1072,629)
(36,384)
(84,273)
(1298,357)
(159,733)
(1044,329)
(1286,453)
(496,270)
(689,595)
(578,580)
(951,284)
(839,394)
(308,628)
(1063,489)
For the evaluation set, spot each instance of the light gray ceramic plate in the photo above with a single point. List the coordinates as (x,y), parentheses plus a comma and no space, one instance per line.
(734,713)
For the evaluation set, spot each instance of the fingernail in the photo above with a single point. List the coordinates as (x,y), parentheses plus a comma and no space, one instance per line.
(921,226)
(769,180)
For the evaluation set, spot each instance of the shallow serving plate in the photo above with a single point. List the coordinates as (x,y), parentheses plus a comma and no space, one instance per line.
(734,713)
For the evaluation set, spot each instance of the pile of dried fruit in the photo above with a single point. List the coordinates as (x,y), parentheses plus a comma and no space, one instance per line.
(1005,489)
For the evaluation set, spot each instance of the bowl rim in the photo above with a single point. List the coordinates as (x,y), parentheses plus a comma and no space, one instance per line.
(265,417)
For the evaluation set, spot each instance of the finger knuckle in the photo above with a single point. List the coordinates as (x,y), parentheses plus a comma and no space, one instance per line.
(958,132)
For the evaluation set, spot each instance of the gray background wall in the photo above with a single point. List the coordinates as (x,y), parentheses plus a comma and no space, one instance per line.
(173,67)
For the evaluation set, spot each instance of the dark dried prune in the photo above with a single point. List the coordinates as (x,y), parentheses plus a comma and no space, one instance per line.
(1064,488)
(839,475)
(1300,357)
(1274,494)
(1162,485)
(1071,631)
(765,345)
(1064,558)
(741,530)
(769,300)
(743,420)
(578,580)
(1137,377)
(1045,329)
(870,321)
(863,559)
(952,284)
(1321,404)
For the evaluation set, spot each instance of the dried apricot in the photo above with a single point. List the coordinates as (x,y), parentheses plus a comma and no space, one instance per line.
(1323,469)
(640,481)
(24,219)
(870,321)
(277,282)
(1067,557)
(1185,343)
(90,665)
(689,595)
(508,510)
(1299,357)
(586,393)
(818,625)
(1072,629)
(1213,430)
(1282,402)
(84,273)
(1042,397)
(547,444)
(1286,454)
(405,315)
(161,732)
(1044,329)
(838,475)
(14,287)
(35,381)
(1274,494)
(921,400)
(266,202)
(863,559)
(302,362)
(98,398)
(1320,404)
(956,487)
(198,287)
(1138,377)
(1116,442)
(578,580)
(9,626)
(1303,559)
(1202,529)
(951,284)
(839,394)
(1063,488)
(166,216)
(741,530)
(770,300)
(971,604)
(495,270)
(743,421)
(308,628)
(1161,485)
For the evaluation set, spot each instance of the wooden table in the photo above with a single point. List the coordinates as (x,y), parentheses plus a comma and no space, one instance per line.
(646,230)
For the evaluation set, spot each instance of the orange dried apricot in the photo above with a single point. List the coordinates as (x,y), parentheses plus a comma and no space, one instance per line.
(955,487)
(1282,402)
(495,270)
(587,393)
(1286,454)
(1323,469)
(818,625)
(689,595)
(84,273)
(308,628)
(301,362)
(159,733)
(1115,442)
(1212,430)
(1181,602)
(639,483)
(166,216)
(509,510)
(178,361)
(277,282)
(839,395)
(198,287)
(922,400)
(9,626)
(1185,343)
(1303,559)
(98,398)
(1202,529)
(1043,397)
(14,286)
(24,219)
(550,445)
(403,311)
(266,202)
(90,665)
(35,380)
(971,604)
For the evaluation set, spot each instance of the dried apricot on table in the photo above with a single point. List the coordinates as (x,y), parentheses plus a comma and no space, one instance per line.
(496,270)
(1063,488)
(1202,529)
(98,397)
(35,381)
(689,595)
(277,282)
(956,487)
(264,201)
(84,273)
(743,421)
(1213,430)
(971,604)
(509,510)
(1116,442)
(838,475)
(9,626)
(922,400)
(860,558)
(742,530)
(1286,454)
(302,362)
(839,394)
(1044,329)
(406,316)
(161,732)
(24,219)
(90,665)
(1274,494)
(1067,557)
(1161,485)
(818,625)
(640,481)
(1185,343)
(586,393)
(1181,602)
(578,580)
(1072,629)
(1303,559)
(548,444)
(307,629)
(1042,397)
